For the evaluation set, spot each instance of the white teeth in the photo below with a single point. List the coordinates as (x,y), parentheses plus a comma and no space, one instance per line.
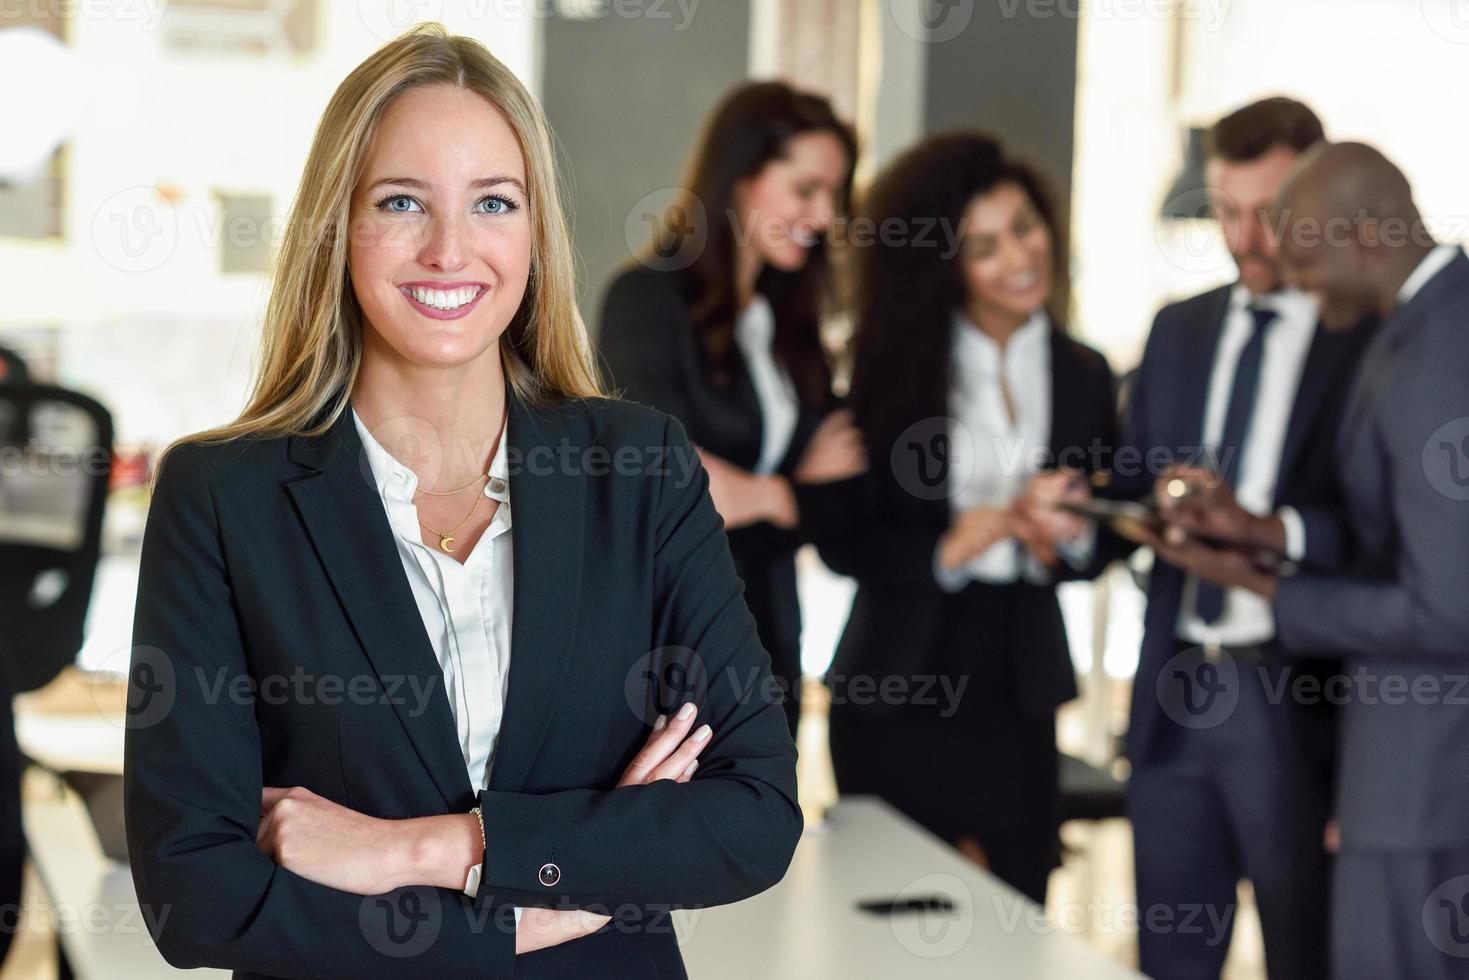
(444,299)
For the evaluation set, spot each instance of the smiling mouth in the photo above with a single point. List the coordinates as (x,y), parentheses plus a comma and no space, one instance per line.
(444,300)
(1021,283)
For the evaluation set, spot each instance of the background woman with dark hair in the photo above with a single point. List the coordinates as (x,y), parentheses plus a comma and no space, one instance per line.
(718,324)
(967,386)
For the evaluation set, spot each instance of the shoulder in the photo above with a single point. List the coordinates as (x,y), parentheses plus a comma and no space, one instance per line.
(1195,311)
(236,461)
(637,286)
(615,423)
(1088,358)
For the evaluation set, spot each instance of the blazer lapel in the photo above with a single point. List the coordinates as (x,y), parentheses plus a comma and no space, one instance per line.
(1067,381)
(1318,375)
(1196,368)
(547,500)
(344,518)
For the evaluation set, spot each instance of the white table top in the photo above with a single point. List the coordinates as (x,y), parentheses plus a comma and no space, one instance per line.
(808,925)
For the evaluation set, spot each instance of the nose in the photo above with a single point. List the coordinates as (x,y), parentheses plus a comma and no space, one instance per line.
(823,212)
(445,248)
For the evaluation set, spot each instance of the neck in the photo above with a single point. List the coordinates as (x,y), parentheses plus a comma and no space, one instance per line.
(747,272)
(443,423)
(997,326)
(1400,266)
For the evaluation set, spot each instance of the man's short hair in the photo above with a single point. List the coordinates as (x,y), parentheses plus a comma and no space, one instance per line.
(1249,133)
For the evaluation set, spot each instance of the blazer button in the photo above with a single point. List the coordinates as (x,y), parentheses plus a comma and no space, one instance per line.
(550,874)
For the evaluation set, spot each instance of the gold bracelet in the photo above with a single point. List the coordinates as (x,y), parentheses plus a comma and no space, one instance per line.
(479,815)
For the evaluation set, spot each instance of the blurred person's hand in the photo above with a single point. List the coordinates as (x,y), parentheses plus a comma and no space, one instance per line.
(835,452)
(972,533)
(743,498)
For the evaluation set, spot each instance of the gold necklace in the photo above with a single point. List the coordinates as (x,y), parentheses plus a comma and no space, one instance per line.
(446,538)
(450,493)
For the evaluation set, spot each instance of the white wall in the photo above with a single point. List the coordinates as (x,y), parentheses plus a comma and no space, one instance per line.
(159,334)
(1391,72)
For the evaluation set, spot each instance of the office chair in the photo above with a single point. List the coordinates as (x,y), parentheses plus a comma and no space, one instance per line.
(55,464)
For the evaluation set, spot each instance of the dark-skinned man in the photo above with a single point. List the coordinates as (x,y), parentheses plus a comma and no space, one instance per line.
(1399,610)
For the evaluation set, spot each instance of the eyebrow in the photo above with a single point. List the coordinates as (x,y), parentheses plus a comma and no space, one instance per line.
(420,185)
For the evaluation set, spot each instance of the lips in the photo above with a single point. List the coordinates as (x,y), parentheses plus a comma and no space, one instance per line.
(443,300)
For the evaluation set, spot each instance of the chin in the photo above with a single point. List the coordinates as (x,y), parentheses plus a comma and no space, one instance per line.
(790,258)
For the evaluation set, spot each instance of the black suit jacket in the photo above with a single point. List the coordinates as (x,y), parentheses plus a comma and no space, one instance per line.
(269,559)
(654,354)
(1165,423)
(902,622)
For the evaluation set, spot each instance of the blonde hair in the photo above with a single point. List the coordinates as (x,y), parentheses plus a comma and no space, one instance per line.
(312,336)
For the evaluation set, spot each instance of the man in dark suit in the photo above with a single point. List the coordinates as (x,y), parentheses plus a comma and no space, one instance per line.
(1229,781)
(1398,611)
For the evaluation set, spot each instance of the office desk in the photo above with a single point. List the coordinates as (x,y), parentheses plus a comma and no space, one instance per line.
(808,926)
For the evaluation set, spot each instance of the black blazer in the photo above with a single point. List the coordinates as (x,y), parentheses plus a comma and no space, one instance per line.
(902,621)
(1165,418)
(655,357)
(270,559)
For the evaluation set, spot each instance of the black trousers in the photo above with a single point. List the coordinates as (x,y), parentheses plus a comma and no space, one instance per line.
(986,772)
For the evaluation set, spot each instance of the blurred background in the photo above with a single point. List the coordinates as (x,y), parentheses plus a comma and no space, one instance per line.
(149,151)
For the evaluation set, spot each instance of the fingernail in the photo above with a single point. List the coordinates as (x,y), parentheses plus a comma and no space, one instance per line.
(692,766)
(661,723)
(702,733)
(686,712)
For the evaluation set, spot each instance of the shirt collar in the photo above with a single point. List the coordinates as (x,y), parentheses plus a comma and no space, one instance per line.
(1433,263)
(1031,333)
(396,481)
(756,322)
(1284,301)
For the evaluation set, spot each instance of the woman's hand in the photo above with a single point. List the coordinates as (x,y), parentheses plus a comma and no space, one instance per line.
(667,754)
(332,845)
(1039,523)
(835,451)
(742,498)
(973,532)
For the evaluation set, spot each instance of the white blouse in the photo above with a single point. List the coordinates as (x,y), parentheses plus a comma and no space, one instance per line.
(466,608)
(992,456)
(779,408)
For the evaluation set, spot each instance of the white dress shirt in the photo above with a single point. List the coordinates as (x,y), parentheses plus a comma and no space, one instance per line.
(754,332)
(1247,618)
(465,607)
(992,455)
(1432,264)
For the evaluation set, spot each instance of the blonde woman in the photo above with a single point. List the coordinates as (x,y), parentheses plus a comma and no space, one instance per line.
(440,660)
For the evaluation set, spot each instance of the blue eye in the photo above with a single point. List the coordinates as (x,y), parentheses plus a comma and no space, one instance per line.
(394,200)
(505,204)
